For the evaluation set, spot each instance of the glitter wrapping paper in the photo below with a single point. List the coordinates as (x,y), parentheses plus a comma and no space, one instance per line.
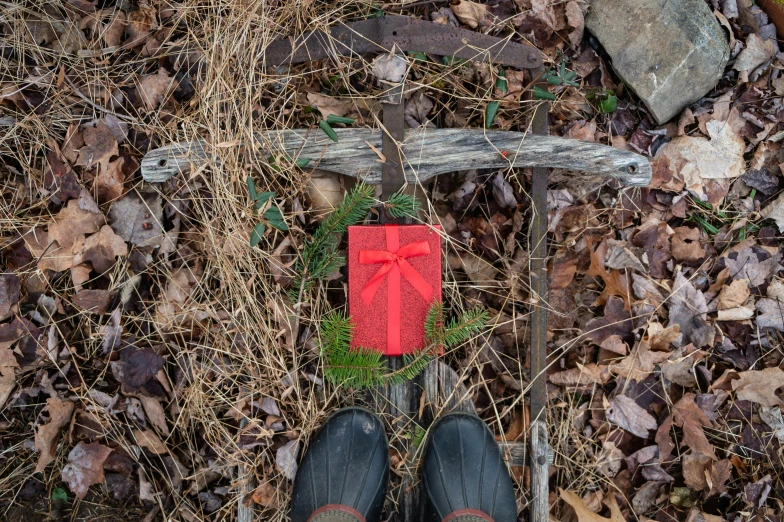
(406,257)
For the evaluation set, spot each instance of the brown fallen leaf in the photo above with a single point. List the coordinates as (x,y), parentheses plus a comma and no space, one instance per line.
(391,68)
(286,459)
(771,313)
(108,183)
(615,344)
(265,495)
(47,434)
(564,269)
(664,440)
(688,309)
(733,294)
(757,52)
(94,301)
(100,146)
(575,19)
(720,473)
(138,364)
(477,269)
(647,290)
(695,466)
(102,249)
(686,246)
(759,386)
(739,313)
(616,321)
(640,362)
(584,514)
(678,368)
(180,287)
(691,418)
(624,412)
(472,14)
(153,88)
(581,376)
(137,218)
(9,295)
(155,414)
(327,105)
(615,283)
(620,256)
(85,467)
(148,439)
(661,338)
(705,165)
(755,263)
(8,365)
(72,223)
(325,192)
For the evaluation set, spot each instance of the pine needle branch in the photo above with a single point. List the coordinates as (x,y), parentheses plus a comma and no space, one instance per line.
(362,367)
(320,257)
(458,330)
(402,205)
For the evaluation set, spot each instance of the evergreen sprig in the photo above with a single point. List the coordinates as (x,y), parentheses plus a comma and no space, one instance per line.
(320,255)
(402,205)
(364,368)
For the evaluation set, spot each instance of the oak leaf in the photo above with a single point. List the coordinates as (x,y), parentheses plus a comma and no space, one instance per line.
(100,146)
(691,418)
(615,283)
(584,514)
(102,249)
(72,223)
(47,434)
(108,183)
(759,386)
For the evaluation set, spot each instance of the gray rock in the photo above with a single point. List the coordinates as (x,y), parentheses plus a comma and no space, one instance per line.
(670,53)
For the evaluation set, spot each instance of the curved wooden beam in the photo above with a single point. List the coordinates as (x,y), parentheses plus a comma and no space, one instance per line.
(426,152)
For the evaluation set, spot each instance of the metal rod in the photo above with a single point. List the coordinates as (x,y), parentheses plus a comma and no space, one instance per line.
(540,453)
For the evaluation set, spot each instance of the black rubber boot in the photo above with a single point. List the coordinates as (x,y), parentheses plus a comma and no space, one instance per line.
(465,478)
(344,474)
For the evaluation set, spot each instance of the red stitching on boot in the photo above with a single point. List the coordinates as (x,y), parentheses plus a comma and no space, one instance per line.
(464,512)
(338,507)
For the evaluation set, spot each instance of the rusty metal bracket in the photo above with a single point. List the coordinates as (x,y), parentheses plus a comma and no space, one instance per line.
(405,34)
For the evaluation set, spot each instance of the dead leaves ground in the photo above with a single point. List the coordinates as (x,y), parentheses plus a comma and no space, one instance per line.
(147,354)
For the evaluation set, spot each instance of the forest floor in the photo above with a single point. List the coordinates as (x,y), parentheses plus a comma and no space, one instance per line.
(148,352)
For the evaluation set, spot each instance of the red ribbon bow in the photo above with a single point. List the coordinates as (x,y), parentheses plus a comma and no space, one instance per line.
(394,265)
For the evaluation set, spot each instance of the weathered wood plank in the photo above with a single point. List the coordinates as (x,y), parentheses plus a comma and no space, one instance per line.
(541,458)
(426,153)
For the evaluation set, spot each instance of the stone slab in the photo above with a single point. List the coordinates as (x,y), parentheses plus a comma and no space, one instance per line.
(670,53)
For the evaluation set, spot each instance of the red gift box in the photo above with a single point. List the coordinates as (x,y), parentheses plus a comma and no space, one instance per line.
(394,275)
